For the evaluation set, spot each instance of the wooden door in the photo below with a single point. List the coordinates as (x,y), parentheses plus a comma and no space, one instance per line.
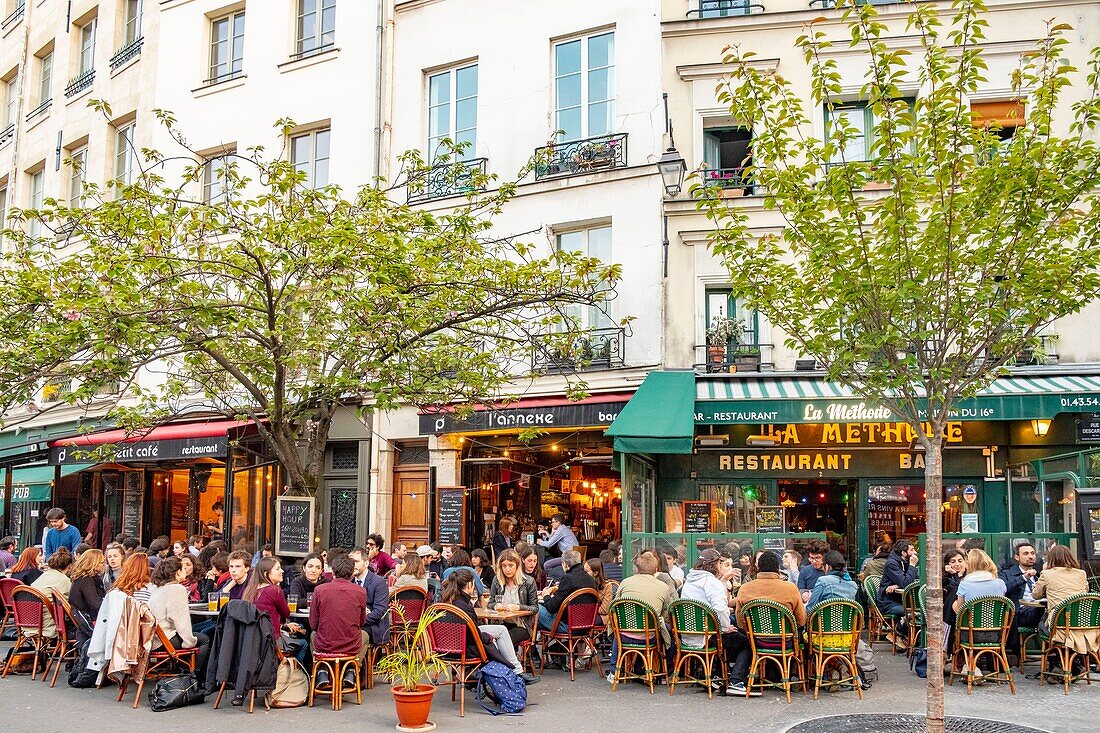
(411,523)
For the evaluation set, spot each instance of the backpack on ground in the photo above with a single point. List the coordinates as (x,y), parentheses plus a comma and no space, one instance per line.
(500,685)
(865,660)
(80,675)
(291,685)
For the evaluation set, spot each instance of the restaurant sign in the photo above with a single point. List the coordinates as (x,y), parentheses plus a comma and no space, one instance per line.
(143,450)
(551,416)
(814,463)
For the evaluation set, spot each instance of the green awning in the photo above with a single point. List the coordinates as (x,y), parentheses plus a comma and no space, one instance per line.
(660,417)
(784,400)
(35,483)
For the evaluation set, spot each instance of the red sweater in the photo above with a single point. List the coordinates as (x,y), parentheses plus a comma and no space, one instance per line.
(338,610)
(271,600)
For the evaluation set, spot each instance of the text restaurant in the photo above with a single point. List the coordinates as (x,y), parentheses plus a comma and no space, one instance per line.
(563,465)
(210,478)
(793,453)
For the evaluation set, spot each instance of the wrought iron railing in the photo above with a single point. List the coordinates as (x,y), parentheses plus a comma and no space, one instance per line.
(580,156)
(741,358)
(836,3)
(448,179)
(228,76)
(313,51)
(14,17)
(7,133)
(723,8)
(80,83)
(601,348)
(730,179)
(40,109)
(127,52)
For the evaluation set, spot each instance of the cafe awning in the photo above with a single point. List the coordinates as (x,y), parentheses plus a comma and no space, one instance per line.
(34,483)
(813,400)
(659,418)
(166,442)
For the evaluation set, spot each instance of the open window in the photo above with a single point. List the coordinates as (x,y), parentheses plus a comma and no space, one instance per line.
(1000,120)
(727,152)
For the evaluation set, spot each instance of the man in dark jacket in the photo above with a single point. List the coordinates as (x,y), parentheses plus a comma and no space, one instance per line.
(900,571)
(575,579)
(378,598)
(1020,576)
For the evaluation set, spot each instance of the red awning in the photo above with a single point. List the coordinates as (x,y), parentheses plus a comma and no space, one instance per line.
(164,432)
(554,401)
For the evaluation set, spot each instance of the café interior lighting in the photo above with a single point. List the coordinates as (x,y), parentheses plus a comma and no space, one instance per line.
(712,441)
(762,440)
(1040,428)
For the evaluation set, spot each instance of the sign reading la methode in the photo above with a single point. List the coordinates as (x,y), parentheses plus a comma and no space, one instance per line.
(565,416)
(145,450)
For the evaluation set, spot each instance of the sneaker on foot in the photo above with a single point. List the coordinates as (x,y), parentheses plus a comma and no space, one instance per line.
(738,688)
(529,679)
(611,677)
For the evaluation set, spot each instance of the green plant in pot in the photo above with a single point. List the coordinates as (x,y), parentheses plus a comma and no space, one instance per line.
(720,334)
(410,667)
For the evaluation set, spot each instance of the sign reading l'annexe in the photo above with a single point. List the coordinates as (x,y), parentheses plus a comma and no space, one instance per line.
(576,415)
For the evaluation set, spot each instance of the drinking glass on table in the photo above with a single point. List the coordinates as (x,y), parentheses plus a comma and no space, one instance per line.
(222,600)
(485,600)
(292,602)
(212,601)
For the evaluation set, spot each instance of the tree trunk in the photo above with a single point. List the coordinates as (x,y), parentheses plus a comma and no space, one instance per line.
(933,507)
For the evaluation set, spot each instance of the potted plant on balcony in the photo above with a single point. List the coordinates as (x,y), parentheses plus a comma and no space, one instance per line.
(721,333)
(410,666)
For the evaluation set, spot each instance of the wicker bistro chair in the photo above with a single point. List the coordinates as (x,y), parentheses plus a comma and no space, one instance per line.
(877,624)
(64,647)
(643,644)
(336,665)
(163,662)
(7,585)
(579,614)
(699,620)
(447,637)
(406,607)
(982,627)
(773,638)
(834,629)
(1078,613)
(914,615)
(29,608)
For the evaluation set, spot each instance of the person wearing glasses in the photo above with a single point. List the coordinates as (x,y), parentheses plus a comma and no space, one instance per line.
(380,561)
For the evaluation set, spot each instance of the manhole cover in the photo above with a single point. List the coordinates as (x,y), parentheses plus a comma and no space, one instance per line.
(887,723)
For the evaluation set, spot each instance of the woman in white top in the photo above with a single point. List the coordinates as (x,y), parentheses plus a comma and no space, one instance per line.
(168,602)
(410,573)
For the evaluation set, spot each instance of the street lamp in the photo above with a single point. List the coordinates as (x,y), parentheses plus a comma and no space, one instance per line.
(673,168)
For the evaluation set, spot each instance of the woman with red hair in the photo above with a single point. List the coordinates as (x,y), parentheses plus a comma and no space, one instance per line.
(27,570)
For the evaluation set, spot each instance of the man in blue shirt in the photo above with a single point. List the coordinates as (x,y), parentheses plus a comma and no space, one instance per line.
(60,534)
(808,575)
(563,539)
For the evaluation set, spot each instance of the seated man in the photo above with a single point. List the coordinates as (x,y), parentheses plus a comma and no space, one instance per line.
(814,569)
(562,540)
(770,585)
(337,614)
(612,569)
(835,583)
(575,579)
(644,586)
(1020,577)
(239,564)
(377,624)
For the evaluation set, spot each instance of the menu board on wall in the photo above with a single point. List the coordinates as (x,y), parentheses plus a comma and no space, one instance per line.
(698,516)
(771,520)
(450,528)
(294,525)
(133,503)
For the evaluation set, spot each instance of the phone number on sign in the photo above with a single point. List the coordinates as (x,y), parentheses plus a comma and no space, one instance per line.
(1081,402)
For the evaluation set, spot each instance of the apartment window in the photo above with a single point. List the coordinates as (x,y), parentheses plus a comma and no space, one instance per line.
(78,174)
(862,120)
(34,201)
(227,47)
(309,153)
(316,26)
(1000,119)
(584,82)
(125,155)
(452,110)
(132,27)
(593,242)
(11,99)
(721,303)
(87,47)
(726,152)
(214,179)
(45,78)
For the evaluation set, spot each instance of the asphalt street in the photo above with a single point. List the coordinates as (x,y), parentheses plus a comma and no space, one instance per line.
(555,704)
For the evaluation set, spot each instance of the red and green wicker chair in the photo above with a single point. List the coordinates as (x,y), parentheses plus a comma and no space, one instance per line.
(878,626)
(637,629)
(407,605)
(833,630)
(773,638)
(698,622)
(1075,615)
(982,627)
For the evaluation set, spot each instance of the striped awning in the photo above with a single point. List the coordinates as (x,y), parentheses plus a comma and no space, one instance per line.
(802,388)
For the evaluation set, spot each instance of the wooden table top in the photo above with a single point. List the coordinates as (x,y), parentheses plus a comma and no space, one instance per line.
(488,614)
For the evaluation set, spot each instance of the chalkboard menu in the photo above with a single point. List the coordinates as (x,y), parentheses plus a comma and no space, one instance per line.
(1088,428)
(133,503)
(294,525)
(698,516)
(450,528)
(771,520)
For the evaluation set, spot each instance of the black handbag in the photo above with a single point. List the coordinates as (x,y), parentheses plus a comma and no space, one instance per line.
(176,692)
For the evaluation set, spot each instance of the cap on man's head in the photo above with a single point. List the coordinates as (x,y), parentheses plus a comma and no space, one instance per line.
(835,560)
(709,554)
(425,551)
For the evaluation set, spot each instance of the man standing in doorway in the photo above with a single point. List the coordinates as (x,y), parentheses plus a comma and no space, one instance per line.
(215,526)
(561,539)
(60,533)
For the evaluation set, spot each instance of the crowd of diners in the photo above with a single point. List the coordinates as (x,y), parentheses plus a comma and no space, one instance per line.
(343,595)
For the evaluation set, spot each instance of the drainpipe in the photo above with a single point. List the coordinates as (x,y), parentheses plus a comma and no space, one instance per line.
(379,35)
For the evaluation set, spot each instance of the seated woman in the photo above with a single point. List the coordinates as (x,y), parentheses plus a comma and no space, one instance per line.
(460,560)
(180,550)
(54,578)
(482,567)
(981,581)
(412,573)
(86,593)
(191,576)
(312,575)
(1061,578)
(132,582)
(26,570)
(532,568)
(266,594)
(168,602)
(594,568)
(954,568)
(458,589)
(513,591)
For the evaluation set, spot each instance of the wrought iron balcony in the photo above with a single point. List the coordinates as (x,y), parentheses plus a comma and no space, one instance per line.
(600,348)
(15,17)
(7,133)
(39,110)
(723,8)
(741,358)
(448,179)
(730,179)
(127,52)
(580,156)
(80,83)
(834,3)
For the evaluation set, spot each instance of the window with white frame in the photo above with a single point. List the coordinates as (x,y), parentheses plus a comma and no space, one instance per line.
(584,86)
(861,120)
(132,24)
(45,78)
(36,195)
(452,110)
(316,26)
(125,154)
(214,179)
(309,153)
(78,174)
(592,242)
(86,57)
(226,47)
(721,303)
(11,99)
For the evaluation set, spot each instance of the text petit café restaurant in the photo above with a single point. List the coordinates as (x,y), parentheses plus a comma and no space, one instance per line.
(715,454)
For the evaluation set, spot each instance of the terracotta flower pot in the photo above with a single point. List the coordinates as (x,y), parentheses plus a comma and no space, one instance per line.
(413,707)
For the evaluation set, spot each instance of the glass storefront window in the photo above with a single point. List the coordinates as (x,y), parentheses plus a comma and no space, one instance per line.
(253,488)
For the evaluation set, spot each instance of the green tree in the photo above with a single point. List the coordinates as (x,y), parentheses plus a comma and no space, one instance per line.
(919,294)
(231,283)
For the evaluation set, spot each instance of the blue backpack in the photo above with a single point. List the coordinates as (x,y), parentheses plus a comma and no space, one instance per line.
(499,684)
